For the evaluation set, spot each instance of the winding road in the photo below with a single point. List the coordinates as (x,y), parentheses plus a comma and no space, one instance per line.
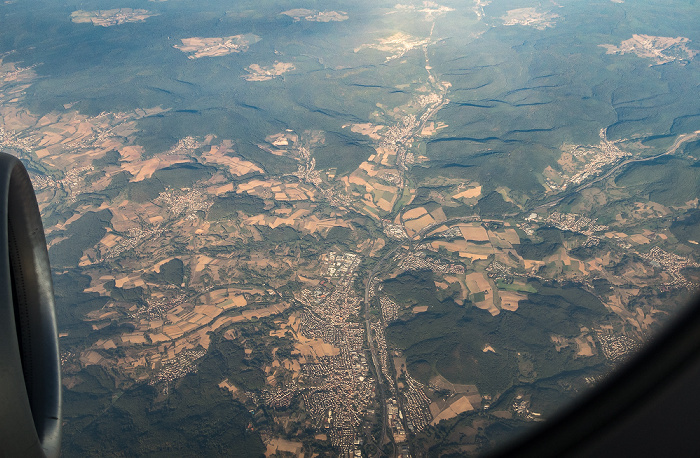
(679,141)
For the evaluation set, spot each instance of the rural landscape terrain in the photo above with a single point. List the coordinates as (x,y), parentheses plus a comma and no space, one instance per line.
(379,230)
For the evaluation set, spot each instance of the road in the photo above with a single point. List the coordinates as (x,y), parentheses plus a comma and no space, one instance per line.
(679,141)
(371,279)
(402,145)
(372,344)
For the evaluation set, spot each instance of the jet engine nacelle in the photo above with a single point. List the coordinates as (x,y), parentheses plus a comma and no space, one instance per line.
(30,378)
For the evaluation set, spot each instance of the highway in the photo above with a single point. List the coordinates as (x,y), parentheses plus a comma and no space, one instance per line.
(371,279)
(403,144)
(679,141)
(372,344)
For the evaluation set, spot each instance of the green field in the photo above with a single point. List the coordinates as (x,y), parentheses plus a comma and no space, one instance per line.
(515,287)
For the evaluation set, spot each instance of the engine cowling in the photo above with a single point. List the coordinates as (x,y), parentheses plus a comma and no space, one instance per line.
(30,377)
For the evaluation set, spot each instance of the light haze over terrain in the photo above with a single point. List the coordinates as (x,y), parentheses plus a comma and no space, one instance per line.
(351,228)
